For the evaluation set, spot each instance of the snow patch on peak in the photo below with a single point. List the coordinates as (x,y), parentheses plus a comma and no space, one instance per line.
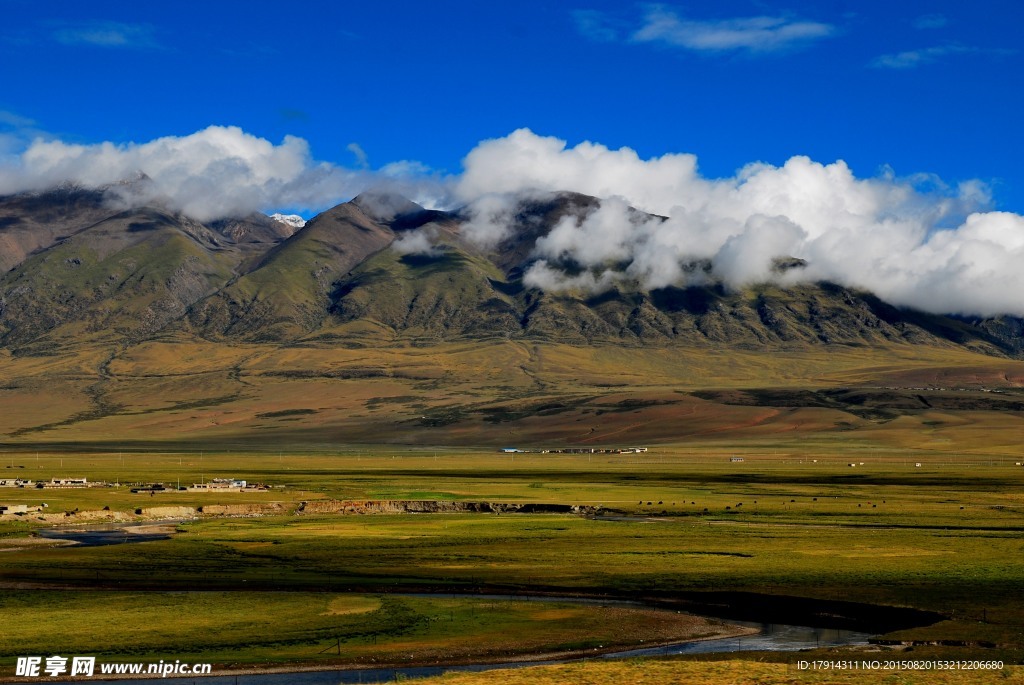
(290,219)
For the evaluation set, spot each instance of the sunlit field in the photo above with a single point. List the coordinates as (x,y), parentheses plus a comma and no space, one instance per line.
(890,482)
(791,519)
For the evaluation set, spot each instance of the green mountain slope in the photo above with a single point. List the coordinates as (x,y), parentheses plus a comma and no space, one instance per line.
(447,294)
(127,277)
(33,222)
(381,268)
(286,293)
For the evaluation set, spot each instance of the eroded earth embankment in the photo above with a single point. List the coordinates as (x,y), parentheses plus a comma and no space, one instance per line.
(439,507)
(314,507)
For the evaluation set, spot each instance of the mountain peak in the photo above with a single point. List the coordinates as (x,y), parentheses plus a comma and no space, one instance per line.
(293,220)
(72,262)
(385,206)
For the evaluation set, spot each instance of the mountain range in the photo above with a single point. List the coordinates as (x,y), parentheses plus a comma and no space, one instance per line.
(75,267)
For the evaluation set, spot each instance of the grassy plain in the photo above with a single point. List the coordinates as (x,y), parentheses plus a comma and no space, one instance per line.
(946,536)
(248,628)
(928,516)
(192,394)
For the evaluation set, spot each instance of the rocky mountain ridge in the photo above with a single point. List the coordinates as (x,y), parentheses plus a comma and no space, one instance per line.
(72,268)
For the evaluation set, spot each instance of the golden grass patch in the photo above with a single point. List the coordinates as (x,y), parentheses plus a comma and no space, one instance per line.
(351,604)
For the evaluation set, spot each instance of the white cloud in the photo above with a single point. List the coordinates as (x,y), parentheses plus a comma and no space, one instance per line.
(219,171)
(405,168)
(913,241)
(543,277)
(16,131)
(603,236)
(753,34)
(107,34)
(357,151)
(887,234)
(915,58)
(418,242)
(748,256)
(489,214)
(524,161)
(13,119)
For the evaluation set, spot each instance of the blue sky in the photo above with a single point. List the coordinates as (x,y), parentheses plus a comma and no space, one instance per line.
(921,87)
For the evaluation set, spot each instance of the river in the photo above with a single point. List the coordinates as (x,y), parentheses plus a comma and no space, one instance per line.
(111,533)
(770,636)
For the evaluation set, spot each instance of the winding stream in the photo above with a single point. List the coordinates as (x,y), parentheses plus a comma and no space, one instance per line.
(770,636)
(107,534)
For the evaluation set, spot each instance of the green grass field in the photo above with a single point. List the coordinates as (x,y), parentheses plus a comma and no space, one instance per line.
(247,628)
(945,537)
(929,515)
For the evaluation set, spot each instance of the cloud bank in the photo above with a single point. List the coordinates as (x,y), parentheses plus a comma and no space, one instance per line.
(913,241)
(660,25)
(421,241)
(107,34)
(753,34)
(217,172)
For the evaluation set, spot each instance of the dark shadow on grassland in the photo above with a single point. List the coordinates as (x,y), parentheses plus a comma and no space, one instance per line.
(803,611)
(870,401)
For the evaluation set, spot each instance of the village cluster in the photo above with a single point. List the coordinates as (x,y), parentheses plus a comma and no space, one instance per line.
(213,485)
(217,485)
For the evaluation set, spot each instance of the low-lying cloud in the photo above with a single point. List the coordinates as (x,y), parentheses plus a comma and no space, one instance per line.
(421,241)
(217,172)
(913,241)
(214,173)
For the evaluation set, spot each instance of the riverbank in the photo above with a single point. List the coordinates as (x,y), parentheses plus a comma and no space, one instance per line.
(532,553)
(387,672)
(296,631)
